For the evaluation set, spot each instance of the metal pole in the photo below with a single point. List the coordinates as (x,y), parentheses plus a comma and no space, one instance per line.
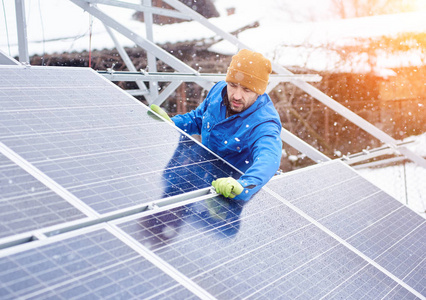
(140,41)
(22,31)
(128,63)
(297,143)
(152,60)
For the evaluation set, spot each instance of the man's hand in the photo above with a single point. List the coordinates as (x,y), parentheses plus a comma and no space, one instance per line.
(161,112)
(227,187)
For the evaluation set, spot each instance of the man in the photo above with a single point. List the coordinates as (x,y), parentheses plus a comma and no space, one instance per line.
(238,121)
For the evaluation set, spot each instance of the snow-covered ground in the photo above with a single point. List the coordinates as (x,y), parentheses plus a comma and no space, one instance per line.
(405,182)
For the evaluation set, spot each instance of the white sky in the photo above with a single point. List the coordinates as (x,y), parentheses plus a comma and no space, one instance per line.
(61,26)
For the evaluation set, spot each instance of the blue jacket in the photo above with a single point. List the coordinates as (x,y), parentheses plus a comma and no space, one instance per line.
(249,140)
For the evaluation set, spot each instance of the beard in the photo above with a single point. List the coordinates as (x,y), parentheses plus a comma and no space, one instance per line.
(236,106)
(229,109)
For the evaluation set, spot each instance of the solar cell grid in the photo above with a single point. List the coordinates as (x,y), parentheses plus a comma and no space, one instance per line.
(369,283)
(95,181)
(314,179)
(103,120)
(26,204)
(98,142)
(368,219)
(365,211)
(398,243)
(93,265)
(103,147)
(14,101)
(238,251)
(29,76)
(346,193)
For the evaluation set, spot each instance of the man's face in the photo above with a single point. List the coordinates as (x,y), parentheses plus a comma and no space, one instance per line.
(240,98)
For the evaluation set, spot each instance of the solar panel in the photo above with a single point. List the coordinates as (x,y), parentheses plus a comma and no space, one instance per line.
(264,249)
(79,157)
(92,265)
(26,204)
(364,217)
(96,141)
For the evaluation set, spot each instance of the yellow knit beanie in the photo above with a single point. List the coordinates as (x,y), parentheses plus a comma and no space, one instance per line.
(250,69)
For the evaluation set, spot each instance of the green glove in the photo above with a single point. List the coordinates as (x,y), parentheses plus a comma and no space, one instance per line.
(161,112)
(227,187)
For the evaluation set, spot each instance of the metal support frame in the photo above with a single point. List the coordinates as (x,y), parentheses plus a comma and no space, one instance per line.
(207,77)
(302,146)
(357,120)
(152,61)
(128,62)
(149,46)
(368,154)
(143,8)
(21,25)
(167,92)
(184,12)
(7,60)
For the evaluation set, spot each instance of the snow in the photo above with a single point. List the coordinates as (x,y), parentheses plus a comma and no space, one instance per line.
(61,26)
(418,146)
(338,32)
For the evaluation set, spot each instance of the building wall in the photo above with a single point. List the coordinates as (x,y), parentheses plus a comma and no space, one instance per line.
(408,84)
(402,102)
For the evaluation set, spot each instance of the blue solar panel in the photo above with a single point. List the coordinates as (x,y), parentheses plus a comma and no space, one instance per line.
(26,204)
(77,151)
(262,249)
(361,214)
(98,142)
(92,265)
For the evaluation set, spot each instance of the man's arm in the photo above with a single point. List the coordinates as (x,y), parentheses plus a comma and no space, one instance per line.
(266,155)
(191,122)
